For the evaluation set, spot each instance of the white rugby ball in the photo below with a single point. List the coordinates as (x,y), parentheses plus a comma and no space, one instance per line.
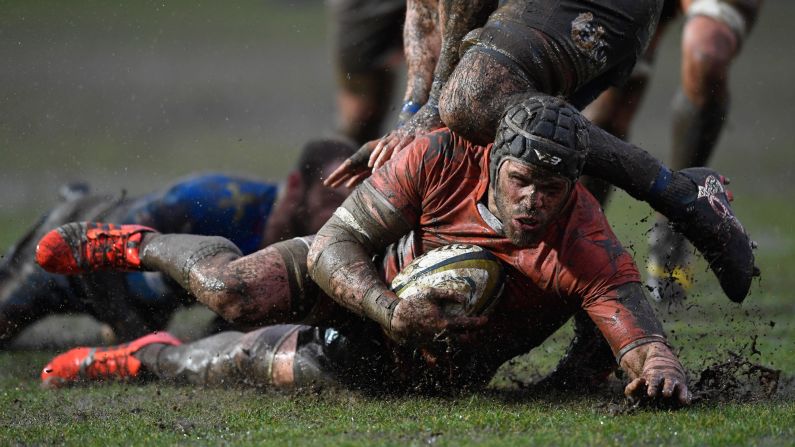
(468,269)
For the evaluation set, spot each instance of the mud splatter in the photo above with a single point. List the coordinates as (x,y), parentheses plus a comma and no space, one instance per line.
(736,379)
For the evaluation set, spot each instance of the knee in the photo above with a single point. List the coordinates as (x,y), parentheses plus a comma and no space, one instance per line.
(229,304)
(472,104)
(708,47)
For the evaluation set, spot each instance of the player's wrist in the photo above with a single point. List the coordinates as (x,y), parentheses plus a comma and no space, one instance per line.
(641,343)
(379,305)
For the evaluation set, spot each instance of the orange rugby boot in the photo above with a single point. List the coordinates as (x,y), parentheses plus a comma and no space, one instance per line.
(103,363)
(83,247)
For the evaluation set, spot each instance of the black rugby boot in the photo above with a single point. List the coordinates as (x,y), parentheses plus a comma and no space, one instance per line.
(708,221)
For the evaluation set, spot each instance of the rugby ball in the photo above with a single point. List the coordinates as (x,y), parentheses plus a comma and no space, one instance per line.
(468,269)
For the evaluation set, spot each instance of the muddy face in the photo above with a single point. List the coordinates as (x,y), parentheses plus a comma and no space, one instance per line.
(527,199)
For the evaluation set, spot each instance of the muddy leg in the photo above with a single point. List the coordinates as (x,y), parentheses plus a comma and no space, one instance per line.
(267,286)
(278,356)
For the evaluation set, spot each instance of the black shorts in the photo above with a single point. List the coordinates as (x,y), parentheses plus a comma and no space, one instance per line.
(568,48)
(366,33)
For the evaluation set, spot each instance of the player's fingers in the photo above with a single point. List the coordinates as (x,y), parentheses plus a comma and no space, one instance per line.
(379,147)
(387,151)
(339,175)
(669,386)
(447,295)
(634,387)
(683,395)
(654,385)
(356,179)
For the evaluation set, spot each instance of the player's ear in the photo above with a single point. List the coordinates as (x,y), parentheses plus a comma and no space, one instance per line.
(294,187)
(294,182)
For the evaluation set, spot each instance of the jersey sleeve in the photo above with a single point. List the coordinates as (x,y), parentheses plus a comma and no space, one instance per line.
(602,274)
(412,175)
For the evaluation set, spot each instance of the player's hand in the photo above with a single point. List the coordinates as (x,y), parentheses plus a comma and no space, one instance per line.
(353,170)
(425,120)
(656,373)
(419,319)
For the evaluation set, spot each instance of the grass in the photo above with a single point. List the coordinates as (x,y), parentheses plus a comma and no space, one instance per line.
(158,413)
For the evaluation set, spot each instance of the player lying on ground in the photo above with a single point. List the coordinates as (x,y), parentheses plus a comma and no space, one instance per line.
(519,199)
(252,214)
(711,39)
(574,49)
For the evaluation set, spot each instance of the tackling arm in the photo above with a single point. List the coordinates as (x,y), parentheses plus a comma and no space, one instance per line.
(340,260)
(636,337)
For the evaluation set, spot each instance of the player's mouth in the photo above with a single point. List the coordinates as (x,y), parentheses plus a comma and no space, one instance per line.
(527,223)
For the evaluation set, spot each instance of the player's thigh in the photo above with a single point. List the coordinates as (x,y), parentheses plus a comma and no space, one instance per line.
(366,35)
(563,46)
(475,96)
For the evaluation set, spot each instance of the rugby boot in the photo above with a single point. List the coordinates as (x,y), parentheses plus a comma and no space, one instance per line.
(669,265)
(102,363)
(83,247)
(708,222)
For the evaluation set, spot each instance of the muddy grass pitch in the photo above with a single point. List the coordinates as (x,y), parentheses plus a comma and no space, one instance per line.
(134,95)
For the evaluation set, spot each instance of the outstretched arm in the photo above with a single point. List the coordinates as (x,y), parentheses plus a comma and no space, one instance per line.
(379,212)
(636,336)
(455,18)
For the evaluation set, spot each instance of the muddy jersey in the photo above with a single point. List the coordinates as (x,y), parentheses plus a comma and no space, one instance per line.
(439,184)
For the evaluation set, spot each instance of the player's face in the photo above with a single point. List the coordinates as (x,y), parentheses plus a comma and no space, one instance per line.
(527,199)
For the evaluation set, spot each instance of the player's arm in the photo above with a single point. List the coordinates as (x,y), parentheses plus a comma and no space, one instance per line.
(376,214)
(432,36)
(421,43)
(454,19)
(636,337)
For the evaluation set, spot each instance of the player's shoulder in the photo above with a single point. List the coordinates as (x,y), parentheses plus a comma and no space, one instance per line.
(443,147)
(589,245)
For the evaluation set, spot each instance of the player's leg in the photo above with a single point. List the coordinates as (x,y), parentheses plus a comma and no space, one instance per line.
(615,109)
(280,356)
(711,39)
(27,292)
(270,285)
(471,104)
(367,36)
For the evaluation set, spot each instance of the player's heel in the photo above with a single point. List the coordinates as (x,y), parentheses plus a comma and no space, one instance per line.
(114,362)
(83,247)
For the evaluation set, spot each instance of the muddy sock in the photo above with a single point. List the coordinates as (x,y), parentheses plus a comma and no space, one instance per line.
(148,356)
(177,254)
(695,130)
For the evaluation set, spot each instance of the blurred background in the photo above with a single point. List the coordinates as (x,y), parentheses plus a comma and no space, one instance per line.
(134,94)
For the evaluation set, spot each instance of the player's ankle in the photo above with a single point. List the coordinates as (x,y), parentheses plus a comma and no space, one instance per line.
(671,192)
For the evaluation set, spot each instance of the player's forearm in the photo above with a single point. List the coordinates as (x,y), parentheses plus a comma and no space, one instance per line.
(456,19)
(340,260)
(421,41)
(626,319)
